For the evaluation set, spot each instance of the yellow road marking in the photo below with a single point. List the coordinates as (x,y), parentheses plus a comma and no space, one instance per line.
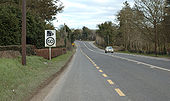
(97,67)
(119,92)
(104,75)
(100,71)
(110,82)
(90,60)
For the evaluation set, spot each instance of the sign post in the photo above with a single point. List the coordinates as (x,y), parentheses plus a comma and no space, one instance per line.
(50,40)
(49,53)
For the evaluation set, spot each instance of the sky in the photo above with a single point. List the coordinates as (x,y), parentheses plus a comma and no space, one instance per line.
(89,13)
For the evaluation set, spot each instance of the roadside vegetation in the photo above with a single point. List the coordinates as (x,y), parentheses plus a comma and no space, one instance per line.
(143,28)
(119,49)
(18,82)
(40,13)
(152,55)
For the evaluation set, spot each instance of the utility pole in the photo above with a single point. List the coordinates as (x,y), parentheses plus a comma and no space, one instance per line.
(23,40)
(65,35)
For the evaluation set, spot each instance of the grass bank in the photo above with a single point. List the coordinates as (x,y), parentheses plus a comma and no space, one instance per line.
(17,82)
(152,55)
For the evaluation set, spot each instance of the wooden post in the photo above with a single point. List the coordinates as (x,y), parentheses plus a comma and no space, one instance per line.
(23,40)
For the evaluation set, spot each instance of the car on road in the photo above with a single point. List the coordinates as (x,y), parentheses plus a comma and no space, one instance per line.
(109,49)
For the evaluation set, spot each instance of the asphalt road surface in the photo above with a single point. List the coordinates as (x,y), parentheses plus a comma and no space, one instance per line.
(96,76)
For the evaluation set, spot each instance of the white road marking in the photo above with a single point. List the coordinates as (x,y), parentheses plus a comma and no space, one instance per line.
(152,67)
(138,62)
(162,59)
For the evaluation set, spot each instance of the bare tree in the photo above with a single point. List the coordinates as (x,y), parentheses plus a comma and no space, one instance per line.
(153,11)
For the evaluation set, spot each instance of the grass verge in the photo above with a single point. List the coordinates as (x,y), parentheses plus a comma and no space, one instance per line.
(17,82)
(152,55)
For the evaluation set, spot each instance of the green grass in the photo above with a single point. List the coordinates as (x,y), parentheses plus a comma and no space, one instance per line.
(17,82)
(153,55)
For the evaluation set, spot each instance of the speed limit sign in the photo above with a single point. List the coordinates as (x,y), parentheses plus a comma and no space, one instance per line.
(50,41)
(50,38)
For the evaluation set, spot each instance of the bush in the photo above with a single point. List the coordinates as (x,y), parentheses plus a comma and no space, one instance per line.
(29,48)
(10,27)
(35,31)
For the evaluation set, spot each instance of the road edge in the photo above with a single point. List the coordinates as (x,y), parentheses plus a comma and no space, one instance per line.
(49,80)
(135,54)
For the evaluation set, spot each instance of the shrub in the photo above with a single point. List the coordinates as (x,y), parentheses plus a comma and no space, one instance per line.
(10,25)
(29,48)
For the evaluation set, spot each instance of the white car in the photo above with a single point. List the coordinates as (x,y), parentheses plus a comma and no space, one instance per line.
(109,49)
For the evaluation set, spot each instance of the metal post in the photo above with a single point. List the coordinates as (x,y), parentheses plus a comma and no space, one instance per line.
(23,32)
(49,53)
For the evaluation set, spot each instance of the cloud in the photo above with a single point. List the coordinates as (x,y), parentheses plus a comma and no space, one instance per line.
(90,13)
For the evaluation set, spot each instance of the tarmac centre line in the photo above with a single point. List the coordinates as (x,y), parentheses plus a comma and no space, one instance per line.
(138,62)
(97,67)
(105,75)
(119,92)
(110,82)
(100,71)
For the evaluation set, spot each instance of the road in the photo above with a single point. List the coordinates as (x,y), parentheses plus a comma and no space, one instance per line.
(96,76)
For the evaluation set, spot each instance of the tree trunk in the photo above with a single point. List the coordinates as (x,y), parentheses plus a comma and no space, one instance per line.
(156,32)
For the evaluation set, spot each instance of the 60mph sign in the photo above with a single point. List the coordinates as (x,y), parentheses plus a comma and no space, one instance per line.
(50,38)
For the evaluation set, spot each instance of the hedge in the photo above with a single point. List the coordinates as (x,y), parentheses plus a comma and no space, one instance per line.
(29,48)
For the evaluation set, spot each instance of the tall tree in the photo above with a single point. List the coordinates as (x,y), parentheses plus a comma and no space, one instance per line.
(125,22)
(38,13)
(166,26)
(153,11)
(9,29)
(77,35)
(87,33)
(167,20)
(107,31)
(46,9)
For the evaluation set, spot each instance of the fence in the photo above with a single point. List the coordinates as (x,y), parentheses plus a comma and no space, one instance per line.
(54,52)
